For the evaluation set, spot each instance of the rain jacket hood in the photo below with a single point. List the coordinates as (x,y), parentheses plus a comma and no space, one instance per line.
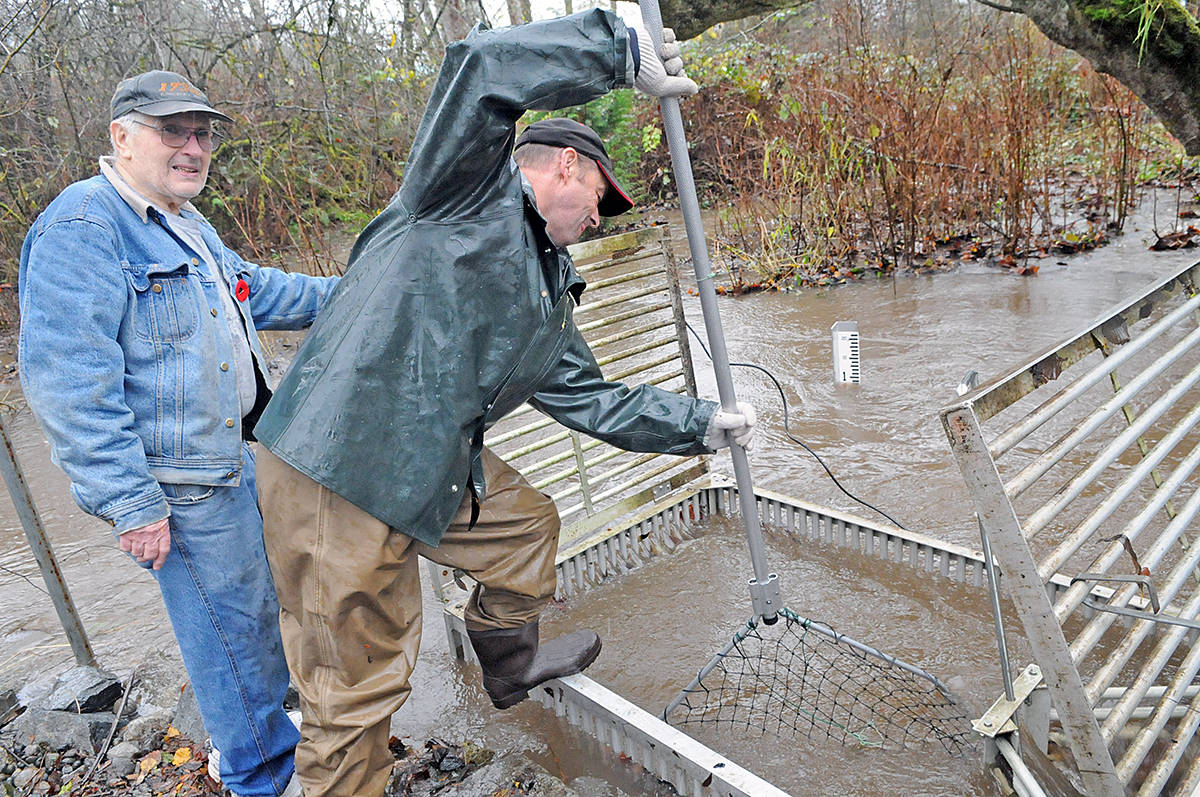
(456,307)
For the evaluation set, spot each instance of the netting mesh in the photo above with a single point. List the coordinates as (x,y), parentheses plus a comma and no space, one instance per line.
(801,678)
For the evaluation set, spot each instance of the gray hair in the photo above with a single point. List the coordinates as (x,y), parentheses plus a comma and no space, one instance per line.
(535,156)
(541,156)
(130,122)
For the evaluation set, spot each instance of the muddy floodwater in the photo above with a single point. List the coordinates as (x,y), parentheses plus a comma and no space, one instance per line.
(882,439)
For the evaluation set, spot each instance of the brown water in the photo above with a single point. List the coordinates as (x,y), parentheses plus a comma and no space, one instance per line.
(690,603)
(883,440)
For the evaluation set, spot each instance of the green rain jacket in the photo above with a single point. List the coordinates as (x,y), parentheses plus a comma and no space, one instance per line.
(456,307)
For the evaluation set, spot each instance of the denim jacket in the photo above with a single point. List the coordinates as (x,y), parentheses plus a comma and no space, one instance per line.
(125,352)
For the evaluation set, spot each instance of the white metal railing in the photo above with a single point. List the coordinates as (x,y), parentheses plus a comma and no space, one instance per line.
(1081,464)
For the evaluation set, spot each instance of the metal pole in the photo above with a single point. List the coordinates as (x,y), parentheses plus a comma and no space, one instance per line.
(990,565)
(1023,780)
(40,545)
(764,587)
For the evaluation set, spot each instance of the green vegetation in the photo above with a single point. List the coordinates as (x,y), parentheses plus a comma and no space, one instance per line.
(839,140)
(1160,26)
(841,144)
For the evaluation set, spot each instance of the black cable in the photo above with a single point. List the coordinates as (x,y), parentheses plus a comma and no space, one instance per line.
(24,578)
(787,430)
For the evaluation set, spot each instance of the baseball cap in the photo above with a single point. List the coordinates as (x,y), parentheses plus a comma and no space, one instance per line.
(560,132)
(160,93)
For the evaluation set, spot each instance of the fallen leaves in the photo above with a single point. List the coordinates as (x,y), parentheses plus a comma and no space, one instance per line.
(178,768)
(146,766)
(439,765)
(1182,239)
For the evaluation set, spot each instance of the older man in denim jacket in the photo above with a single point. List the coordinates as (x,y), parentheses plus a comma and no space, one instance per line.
(140,358)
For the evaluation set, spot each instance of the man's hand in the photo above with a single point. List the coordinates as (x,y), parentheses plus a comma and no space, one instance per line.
(150,543)
(732,427)
(661,74)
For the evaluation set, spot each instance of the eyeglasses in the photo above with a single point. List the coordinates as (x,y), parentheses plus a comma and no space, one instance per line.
(176,136)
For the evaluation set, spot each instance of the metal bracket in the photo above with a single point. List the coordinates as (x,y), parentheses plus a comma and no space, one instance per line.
(1137,614)
(764,598)
(1143,581)
(998,719)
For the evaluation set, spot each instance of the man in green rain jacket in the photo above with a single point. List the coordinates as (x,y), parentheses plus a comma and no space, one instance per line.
(455,309)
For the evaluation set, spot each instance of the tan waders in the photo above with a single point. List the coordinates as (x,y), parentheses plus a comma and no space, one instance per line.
(350,611)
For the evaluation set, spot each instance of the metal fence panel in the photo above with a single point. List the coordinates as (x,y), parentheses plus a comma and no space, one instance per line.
(1080,464)
(632,317)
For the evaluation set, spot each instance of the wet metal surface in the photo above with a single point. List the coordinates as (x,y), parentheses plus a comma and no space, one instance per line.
(882,439)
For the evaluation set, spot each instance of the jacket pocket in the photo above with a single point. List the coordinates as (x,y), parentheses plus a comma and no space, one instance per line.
(167,301)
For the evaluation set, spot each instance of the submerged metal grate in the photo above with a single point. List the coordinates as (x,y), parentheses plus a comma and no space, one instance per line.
(665,751)
(1081,465)
(657,528)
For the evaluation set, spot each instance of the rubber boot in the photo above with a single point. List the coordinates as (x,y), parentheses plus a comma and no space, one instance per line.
(513,662)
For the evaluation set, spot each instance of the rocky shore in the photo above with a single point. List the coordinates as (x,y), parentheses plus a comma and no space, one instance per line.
(83,733)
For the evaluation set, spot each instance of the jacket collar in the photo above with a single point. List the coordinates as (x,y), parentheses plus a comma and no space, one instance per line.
(140,205)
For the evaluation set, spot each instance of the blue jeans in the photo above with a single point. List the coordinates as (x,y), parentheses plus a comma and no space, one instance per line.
(220,597)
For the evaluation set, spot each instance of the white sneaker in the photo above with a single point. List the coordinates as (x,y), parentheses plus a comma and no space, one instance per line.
(214,764)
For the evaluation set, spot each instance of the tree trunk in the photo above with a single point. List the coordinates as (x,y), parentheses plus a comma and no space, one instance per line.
(519,12)
(454,20)
(692,17)
(1166,75)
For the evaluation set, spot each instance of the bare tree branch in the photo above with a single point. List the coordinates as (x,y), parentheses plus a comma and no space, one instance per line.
(999,7)
(28,36)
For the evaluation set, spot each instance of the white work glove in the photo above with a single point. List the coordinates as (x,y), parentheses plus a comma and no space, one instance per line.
(726,428)
(661,74)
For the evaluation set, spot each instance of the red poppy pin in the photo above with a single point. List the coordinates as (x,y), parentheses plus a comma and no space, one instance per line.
(242,290)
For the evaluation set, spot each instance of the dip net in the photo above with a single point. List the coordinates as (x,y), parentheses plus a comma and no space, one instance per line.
(798,677)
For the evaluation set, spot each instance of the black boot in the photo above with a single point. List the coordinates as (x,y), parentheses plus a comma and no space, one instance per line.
(513,662)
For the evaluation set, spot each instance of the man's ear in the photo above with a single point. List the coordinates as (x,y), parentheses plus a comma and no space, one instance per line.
(568,162)
(120,138)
